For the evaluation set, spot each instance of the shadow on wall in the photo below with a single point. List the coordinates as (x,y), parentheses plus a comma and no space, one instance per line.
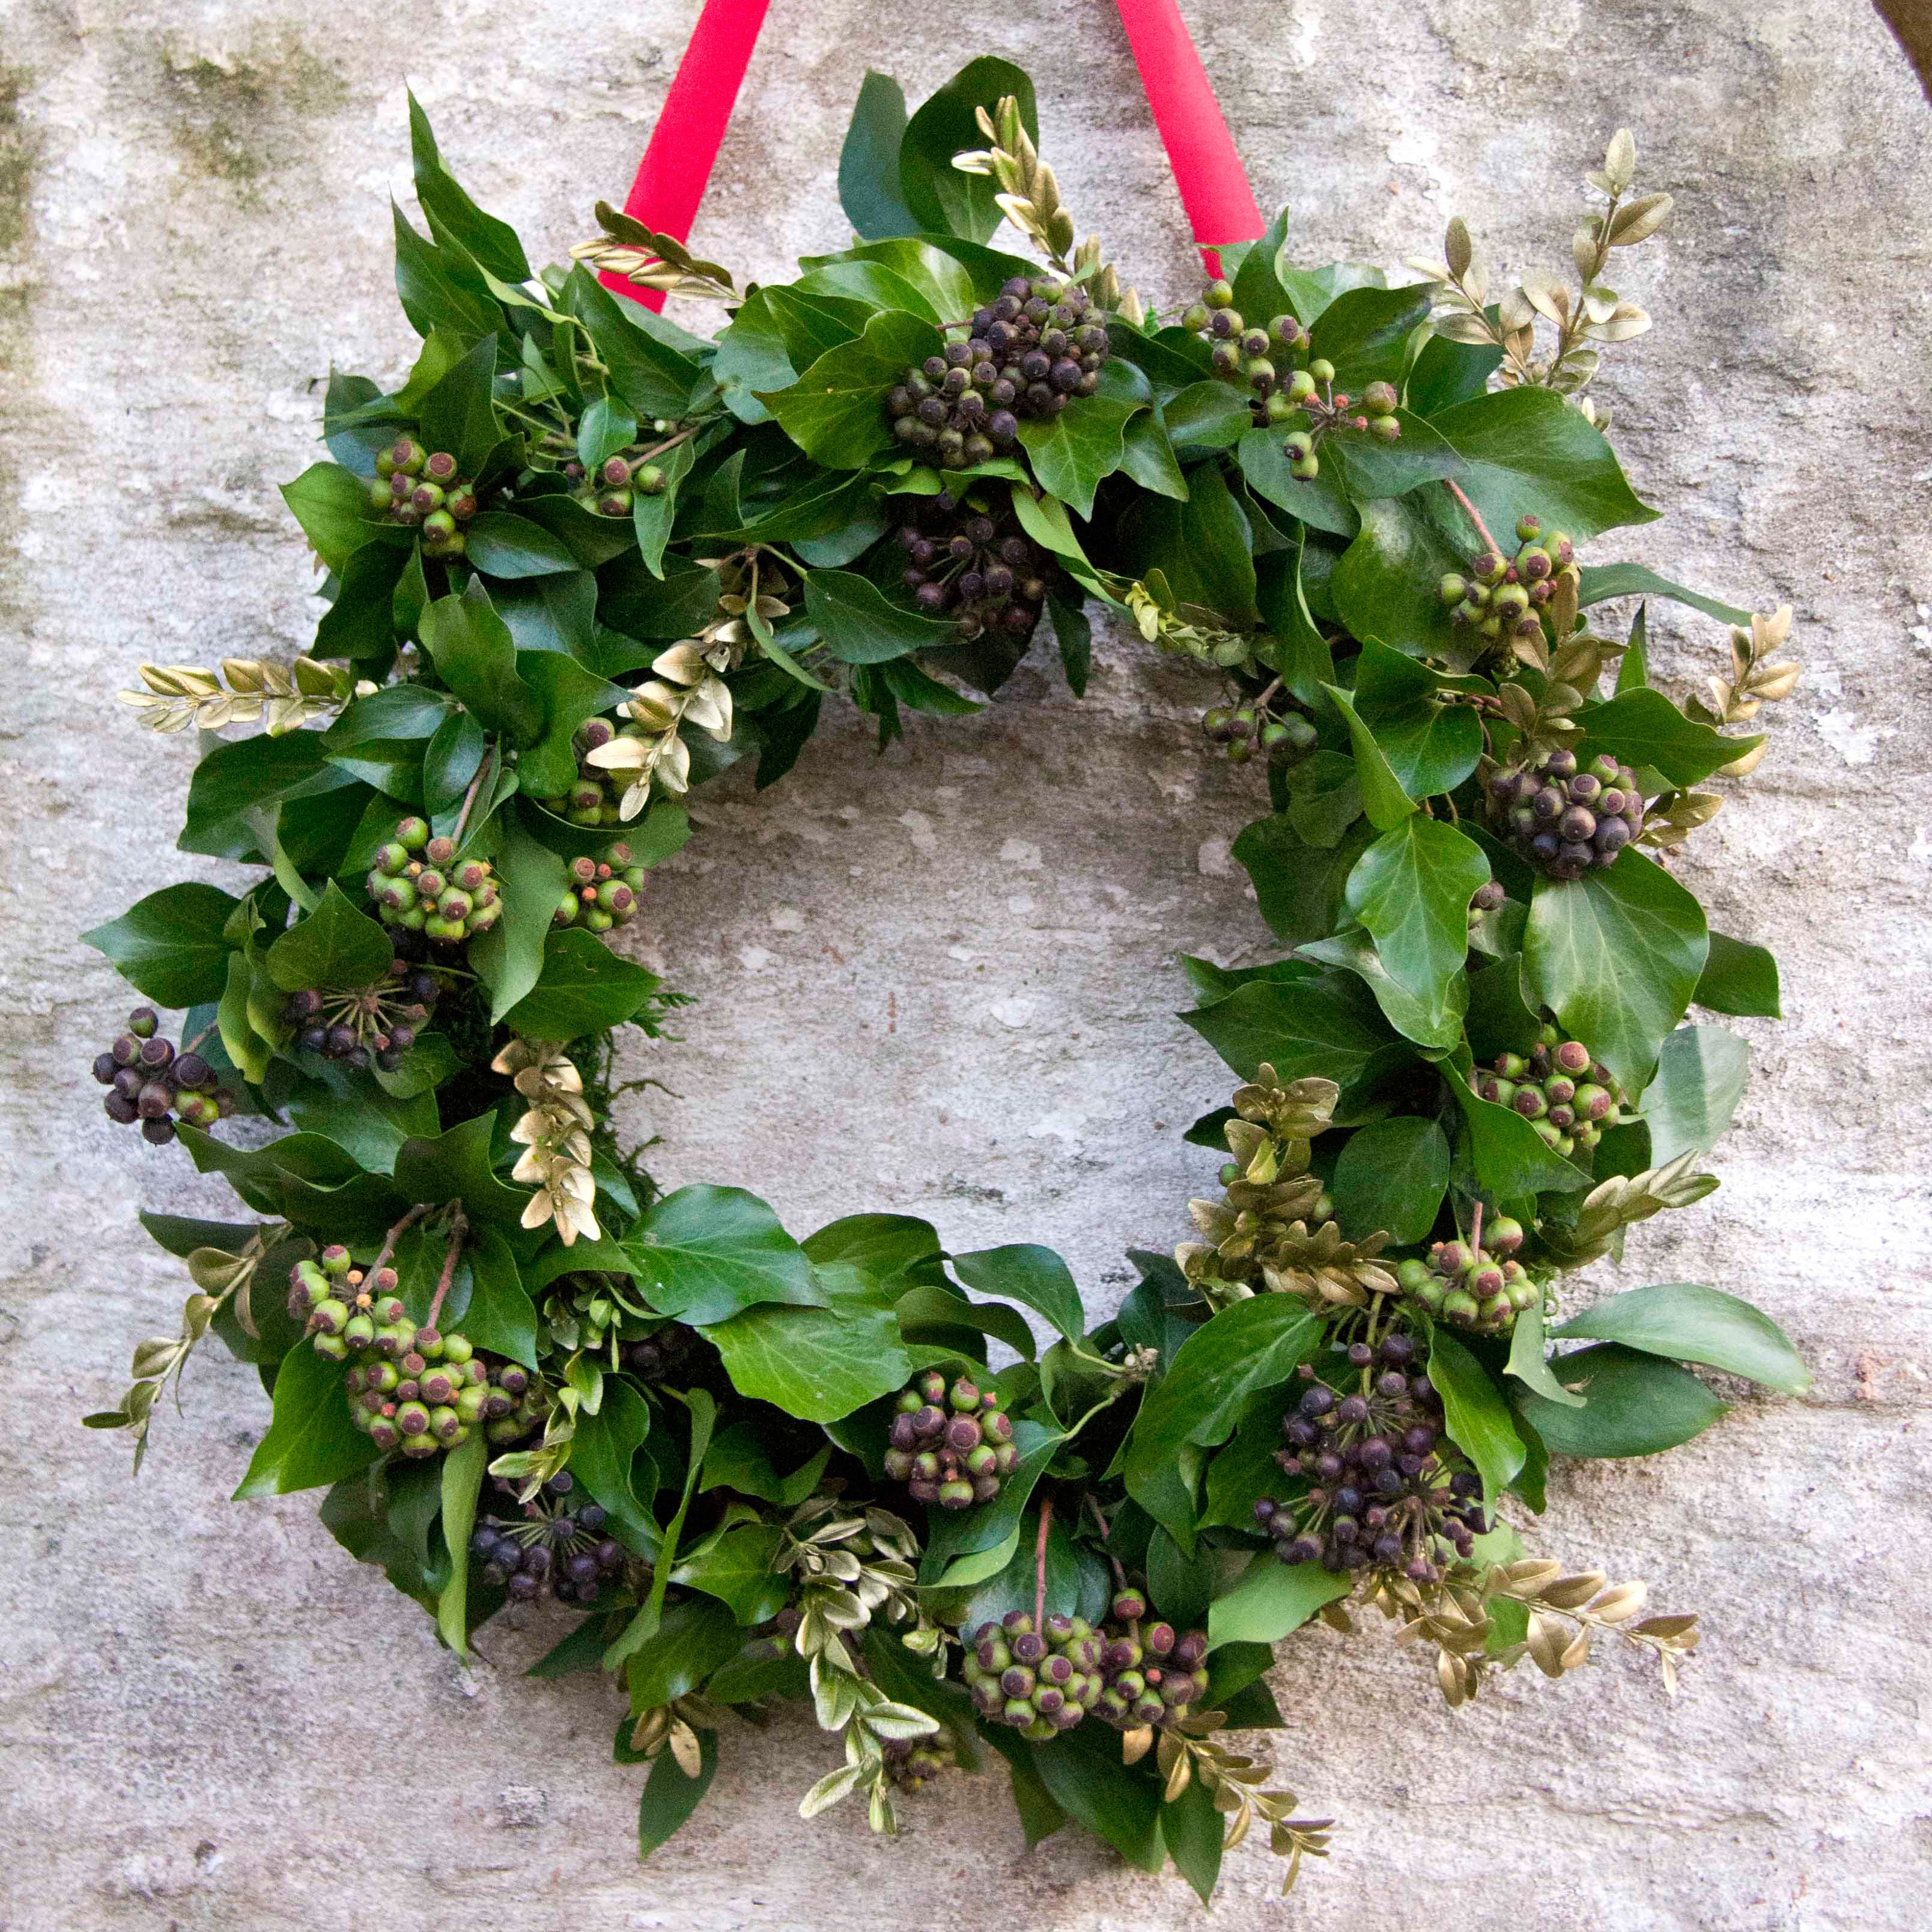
(1911,21)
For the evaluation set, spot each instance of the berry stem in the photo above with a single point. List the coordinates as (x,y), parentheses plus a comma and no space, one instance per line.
(1120,1570)
(396,1233)
(469,796)
(194,1045)
(1039,1564)
(458,1227)
(1475,515)
(1476,1229)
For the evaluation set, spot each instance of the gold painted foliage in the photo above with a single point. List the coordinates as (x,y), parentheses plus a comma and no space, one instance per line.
(555,1135)
(650,260)
(179,696)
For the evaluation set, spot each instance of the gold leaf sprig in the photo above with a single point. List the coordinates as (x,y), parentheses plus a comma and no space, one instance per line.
(219,1277)
(851,1567)
(1571,673)
(178,696)
(1618,1203)
(1589,315)
(642,256)
(555,1135)
(1187,1749)
(1758,677)
(1030,199)
(1162,620)
(1567,1612)
(675,1725)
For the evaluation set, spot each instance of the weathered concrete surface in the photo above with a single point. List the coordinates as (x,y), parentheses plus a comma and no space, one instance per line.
(942,982)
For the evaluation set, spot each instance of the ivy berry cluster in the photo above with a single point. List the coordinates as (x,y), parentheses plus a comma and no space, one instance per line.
(151,1083)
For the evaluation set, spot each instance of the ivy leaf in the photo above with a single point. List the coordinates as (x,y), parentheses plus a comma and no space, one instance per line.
(737,1571)
(1311,291)
(1191,1828)
(939,197)
(476,657)
(836,411)
(669,1797)
(1200,546)
(459,415)
(1301,653)
(1383,798)
(501,544)
(462,1483)
(1197,1403)
(584,988)
(1385,585)
(360,623)
(1603,582)
(1510,1159)
(335,948)
(1323,800)
(692,1639)
(1687,1322)
(1119,1803)
(1206,416)
(652,376)
(652,516)
(1392,1175)
(453,216)
(1423,1020)
(1272,1600)
(1474,1415)
(439,292)
(1525,451)
(509,958)
(170,945)
(499,1315)
(735,1461)
(859,624)
(456,1166)
(451,761)
(1326,1025)
(1701,1073)
(1633,1405)
(1528,1363)
(1644,727)
(704,1254)
(1740,978)
(603,1456)
(1431,746)
(978,1532)
(1365,333)
(1411,889)
(1319,501)
(1298,885)
(311,1442)
(1035,1276)
(868,162)
(815,1363)
(1616,954)
(1072,452)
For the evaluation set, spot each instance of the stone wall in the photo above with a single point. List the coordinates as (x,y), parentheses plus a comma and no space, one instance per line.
(943,981)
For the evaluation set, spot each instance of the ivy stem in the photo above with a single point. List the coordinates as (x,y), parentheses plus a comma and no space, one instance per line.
(469,796)
(1475,515)
(1119,1573)
(200,1036)
(395,1235)
(458,1227)
(670,442)
(1476,1228)
(1039,1565)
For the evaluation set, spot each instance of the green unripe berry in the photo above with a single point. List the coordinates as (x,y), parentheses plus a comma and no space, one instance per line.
(413,833)
(1528,527)
(333,1346)
(1300,386)
(379,496)
(1307,469)
(1454,588)
(439,527)
(1196,319)
(1280,407)
(329,1317)
(359,1331)
(1218,295)
(1379,399)
(1385,429)
(1322,370)
(1459,1305)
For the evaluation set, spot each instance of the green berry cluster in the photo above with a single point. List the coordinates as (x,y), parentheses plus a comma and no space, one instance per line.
(602,892)
(150,1082)
(1566,1096)
(1564,820)
(411,1388)
(1242,730)
(1478,1287)
(950,1446)
(618,482)
(420,486)
(1043,1680)
(421,886)
(1038,346)
(1500,598)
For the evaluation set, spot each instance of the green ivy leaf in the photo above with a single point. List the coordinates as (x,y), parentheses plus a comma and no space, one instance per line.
(459,415)
(1206,416)
(1525,451)
(1474,1414)
(1603,582)
(651,376)
(1633,1405)
(1202,546)
(1411,889)
(476,657)
(603,1457)
(737,1571)
(1324,801)
(1687,1322)
(451,761)
(1385,585)
(669,1798)
(499,1315)
(1365,333)
(836,411)
(170,945)
(1197,1403)
(939,197)
(1272,1600)
(1616,954)
(331,504)
(1701,1073)
(584,988)
(1319,501)
(501,544)
(1326,1025)
(815,1363)
(1392,1175)
(1447,372)
(957,1534)
(652,516)
(858,624)
(1644,727)
(455,1166)
(868,162)
(1527,1361)
(462,1483)
(1034,1276)
(1740,978)
(1383,798)
(509,958)
(439,292)
(705,1254)
(1431,746)
(1071,453)
(311,1442)
(1509,1159)
(693,1638)
(736,1461)
(336,948)
(1299,885)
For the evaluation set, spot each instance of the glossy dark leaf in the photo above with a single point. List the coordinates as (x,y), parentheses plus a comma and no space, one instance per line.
(1644,728)
(584,988)
(1272,1600)
(1475,1416)
(1602,582)
(859,624)
(170,945)
(653,377)
(1202,547)
(1035,1276)
(836,411)
(1392,1176)
(1191,1828)
(1738,978)
(1383,798)
(337,947)
(501,544)
(1319,501)
(1365,333)
(1120,1803)
(1509,1160)
(954,1534)
(1327,1025)
(817,1363)
(440,292)
(939,197)
(509,958)
(458,415)
(455,1166)
(603,1456)
(1701,1072)
(311,1441)
(1385,585)
(705,1253)
(868,163)
(1325,800)
(737,1571)
(476,657)
(693,1638)
(669,1797)
(1633,1405)
(1071,453)
(1687,1322)
(1431,746)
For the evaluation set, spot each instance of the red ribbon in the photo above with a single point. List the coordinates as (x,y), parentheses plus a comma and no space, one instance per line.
(1214,184)
(677,166)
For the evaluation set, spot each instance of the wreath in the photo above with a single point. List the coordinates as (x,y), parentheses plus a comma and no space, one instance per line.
(581,561)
